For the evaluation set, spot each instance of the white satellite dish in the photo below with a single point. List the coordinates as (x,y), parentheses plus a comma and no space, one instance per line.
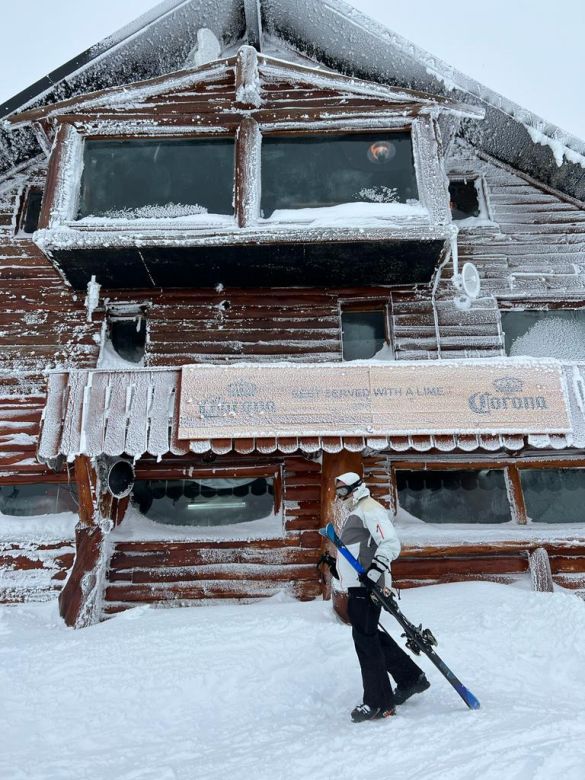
(470,281)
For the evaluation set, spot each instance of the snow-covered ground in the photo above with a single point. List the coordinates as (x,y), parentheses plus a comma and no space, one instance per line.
(265,690)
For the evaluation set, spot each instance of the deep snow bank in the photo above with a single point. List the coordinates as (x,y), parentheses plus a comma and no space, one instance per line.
(264,691)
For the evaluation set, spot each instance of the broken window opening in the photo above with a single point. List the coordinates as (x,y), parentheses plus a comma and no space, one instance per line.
(30,210)
(365,333)
(467,199)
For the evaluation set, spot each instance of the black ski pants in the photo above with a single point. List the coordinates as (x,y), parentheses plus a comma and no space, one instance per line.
(377,653)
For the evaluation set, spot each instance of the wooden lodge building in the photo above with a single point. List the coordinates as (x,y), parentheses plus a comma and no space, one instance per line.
(246,245)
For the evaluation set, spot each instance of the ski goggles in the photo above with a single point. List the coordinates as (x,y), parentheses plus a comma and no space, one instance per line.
(343,491)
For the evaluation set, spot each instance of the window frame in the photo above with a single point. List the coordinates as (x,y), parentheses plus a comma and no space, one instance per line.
(367,304)
(59,479)
(482,198)
(23,206)
(60,204)
(511,467)
(274,471)
(535,305)
(124,311)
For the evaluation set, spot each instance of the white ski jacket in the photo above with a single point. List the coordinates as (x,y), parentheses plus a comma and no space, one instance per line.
(368,532)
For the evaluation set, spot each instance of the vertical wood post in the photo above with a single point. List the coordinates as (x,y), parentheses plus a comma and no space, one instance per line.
(80,599)
(515,494)
(247,186)
(334,464)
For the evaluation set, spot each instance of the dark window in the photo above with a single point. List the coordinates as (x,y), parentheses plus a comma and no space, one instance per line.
(559,334)
(128,338)
(37,499)
(554,495)
(363,333)
(31,210)
(209,503)
(455,496)
(324,170)
(464,199)
(157,178)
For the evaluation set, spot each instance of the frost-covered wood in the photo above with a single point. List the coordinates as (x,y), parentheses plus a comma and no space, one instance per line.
(540,571)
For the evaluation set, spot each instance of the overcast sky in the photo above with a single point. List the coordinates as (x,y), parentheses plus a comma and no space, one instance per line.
(531,51)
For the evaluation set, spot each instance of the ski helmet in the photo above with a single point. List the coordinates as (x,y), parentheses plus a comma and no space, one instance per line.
(350,481)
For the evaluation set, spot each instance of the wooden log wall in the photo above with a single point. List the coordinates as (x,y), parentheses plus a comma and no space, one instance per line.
(33,571)
(535,231)
(181,573)
(42,322)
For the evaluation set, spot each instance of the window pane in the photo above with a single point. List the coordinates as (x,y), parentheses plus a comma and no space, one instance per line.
(559,334)
(41,499)
(128,338)
(32,210)
(316,171)
(554,495)
(157,178)
(363,333)
(464,200)
(454,496)
(205,503)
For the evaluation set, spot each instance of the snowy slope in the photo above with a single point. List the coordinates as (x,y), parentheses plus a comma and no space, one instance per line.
(264,691)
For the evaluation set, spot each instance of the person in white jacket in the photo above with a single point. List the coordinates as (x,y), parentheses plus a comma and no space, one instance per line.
(370,536)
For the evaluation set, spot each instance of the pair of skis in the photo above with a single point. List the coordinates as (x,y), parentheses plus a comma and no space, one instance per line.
(418,639)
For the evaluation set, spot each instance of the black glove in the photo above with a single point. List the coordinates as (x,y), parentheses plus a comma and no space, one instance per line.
(373,573)
(330,561)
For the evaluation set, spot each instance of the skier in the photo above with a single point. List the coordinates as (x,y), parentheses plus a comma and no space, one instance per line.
(370,536)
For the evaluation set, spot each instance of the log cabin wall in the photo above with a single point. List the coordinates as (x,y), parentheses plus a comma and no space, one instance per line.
(534,231)
(167,573)
(44,324)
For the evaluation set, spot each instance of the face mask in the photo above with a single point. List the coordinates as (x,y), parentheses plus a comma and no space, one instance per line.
(342,491)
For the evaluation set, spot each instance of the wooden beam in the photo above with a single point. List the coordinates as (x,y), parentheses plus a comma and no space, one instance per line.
(247,192)
(80,599)
(515,494)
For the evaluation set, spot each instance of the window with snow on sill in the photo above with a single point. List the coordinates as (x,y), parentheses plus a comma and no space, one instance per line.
(237,507)
(166,178)
(124,343)
(558,333)
(309,173)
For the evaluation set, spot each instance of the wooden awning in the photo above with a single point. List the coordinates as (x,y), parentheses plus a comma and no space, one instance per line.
(136,413)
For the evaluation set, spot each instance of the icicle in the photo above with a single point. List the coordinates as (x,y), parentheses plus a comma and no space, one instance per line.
(92,298)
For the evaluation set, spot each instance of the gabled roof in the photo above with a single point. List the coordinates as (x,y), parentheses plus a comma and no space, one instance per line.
(247,79)
(333,34)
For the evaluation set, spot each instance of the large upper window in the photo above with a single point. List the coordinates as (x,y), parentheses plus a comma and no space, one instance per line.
(209,503)
(558,334)
(313,171)
(156,178)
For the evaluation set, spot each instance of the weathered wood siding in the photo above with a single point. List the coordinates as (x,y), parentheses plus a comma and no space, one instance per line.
(536,231)
(42,322)
(33,571)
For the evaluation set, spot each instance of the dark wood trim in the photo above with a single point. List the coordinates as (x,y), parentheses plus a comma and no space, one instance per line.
(247,173)
(53,171)
(515,494)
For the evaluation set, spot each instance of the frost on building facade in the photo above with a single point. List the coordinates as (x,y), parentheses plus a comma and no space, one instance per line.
(236,261)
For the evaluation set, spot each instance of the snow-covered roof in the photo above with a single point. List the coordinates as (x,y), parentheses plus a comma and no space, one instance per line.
(330,33)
